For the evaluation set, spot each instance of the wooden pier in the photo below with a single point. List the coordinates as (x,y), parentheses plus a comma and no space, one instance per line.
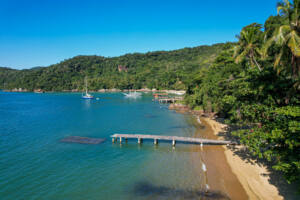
(172,139)
(170,100)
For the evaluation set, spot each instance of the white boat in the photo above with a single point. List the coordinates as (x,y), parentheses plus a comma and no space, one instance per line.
(87,95)
(177,92)
(133,95)
(180,92)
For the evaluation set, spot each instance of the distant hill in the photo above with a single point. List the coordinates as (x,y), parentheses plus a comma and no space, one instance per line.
(159,69)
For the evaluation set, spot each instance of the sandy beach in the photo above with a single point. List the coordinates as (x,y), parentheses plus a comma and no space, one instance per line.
(254,178)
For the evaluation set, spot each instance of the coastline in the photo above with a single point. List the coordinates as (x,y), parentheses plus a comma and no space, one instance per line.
(219,175)
(253,177)
(112,90)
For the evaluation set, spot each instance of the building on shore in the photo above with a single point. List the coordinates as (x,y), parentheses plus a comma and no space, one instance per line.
(122,68)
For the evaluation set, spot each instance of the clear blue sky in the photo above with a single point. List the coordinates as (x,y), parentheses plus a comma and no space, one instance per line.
(43,32)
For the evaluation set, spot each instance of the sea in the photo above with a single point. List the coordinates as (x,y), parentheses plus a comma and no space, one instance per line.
(36,164)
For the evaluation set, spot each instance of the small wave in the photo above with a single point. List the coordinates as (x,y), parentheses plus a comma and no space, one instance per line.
(198,120)
(203,167)
(206,186)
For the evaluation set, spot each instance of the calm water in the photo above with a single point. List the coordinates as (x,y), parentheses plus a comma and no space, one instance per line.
(34,164)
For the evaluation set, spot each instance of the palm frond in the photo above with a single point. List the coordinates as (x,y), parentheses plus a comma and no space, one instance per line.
(236,50)
(241,56)
(265,47)
(278,59)
(280,34)
(294,43)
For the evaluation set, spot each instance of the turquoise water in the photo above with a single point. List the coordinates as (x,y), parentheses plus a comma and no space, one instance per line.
(34,164)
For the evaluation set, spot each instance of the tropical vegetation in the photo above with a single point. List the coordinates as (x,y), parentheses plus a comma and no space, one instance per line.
(255,85)
(160,70)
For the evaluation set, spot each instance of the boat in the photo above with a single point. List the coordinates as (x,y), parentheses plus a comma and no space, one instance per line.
(87,95)
(38,91)
(133,95)
(177,92)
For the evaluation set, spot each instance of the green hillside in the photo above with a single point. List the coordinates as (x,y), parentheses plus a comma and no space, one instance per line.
(160,69)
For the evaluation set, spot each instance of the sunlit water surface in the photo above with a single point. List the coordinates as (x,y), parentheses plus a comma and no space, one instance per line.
(34,164)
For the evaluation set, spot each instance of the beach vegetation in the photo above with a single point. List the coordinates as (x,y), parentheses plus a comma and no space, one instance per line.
(255,85)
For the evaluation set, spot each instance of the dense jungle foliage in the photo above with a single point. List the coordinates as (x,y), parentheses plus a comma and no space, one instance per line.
(256,84)
(160,70)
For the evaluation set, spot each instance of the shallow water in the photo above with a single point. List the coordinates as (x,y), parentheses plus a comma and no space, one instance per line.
(34,164)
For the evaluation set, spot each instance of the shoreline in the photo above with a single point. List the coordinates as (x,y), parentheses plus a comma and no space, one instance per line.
(253,177)
(219,175)
(112,90)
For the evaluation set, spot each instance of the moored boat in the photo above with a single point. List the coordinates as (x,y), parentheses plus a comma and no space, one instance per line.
(86,95)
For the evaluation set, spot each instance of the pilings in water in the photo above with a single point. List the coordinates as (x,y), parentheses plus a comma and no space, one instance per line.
(172,139)
(140,140)
(115,139)
(173,143)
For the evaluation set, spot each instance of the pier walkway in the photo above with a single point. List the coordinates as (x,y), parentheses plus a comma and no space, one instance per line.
(172,139)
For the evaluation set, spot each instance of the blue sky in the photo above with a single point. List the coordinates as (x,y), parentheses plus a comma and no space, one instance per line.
(43,32)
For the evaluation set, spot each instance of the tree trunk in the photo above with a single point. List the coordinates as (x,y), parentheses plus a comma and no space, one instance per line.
(295,66)
(257,64)
(253,60)
(298,65)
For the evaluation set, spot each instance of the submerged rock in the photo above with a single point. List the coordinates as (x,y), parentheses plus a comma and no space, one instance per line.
(83,140)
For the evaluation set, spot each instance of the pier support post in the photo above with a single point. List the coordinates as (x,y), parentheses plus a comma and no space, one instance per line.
(120,139)
(126,139)
(155,141)
(113,140)
(140,140)
(173,143)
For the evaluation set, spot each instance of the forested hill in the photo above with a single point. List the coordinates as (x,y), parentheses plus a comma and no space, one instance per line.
(160,70)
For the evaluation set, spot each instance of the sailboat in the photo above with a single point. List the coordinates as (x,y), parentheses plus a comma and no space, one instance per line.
(87,95)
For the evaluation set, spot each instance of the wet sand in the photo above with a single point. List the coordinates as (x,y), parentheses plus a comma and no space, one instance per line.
(252,177)
(219,175)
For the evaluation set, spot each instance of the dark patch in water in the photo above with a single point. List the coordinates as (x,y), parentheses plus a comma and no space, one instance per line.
(150,116)
(162,192)
(83,140)
(178,127)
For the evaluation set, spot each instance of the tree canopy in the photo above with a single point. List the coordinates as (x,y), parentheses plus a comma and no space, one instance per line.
(160,70)
(255,85)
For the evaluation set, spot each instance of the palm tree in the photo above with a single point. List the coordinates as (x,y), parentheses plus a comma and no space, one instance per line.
(287,35)
(248,47)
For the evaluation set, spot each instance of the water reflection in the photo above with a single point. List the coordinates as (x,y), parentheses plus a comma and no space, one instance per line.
(87,103)
(161,147)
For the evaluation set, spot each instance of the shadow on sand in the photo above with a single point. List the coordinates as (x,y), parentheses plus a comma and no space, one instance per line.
(288,191)
(147,189)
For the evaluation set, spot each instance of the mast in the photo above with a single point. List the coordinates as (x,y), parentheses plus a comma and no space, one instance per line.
(85,80)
